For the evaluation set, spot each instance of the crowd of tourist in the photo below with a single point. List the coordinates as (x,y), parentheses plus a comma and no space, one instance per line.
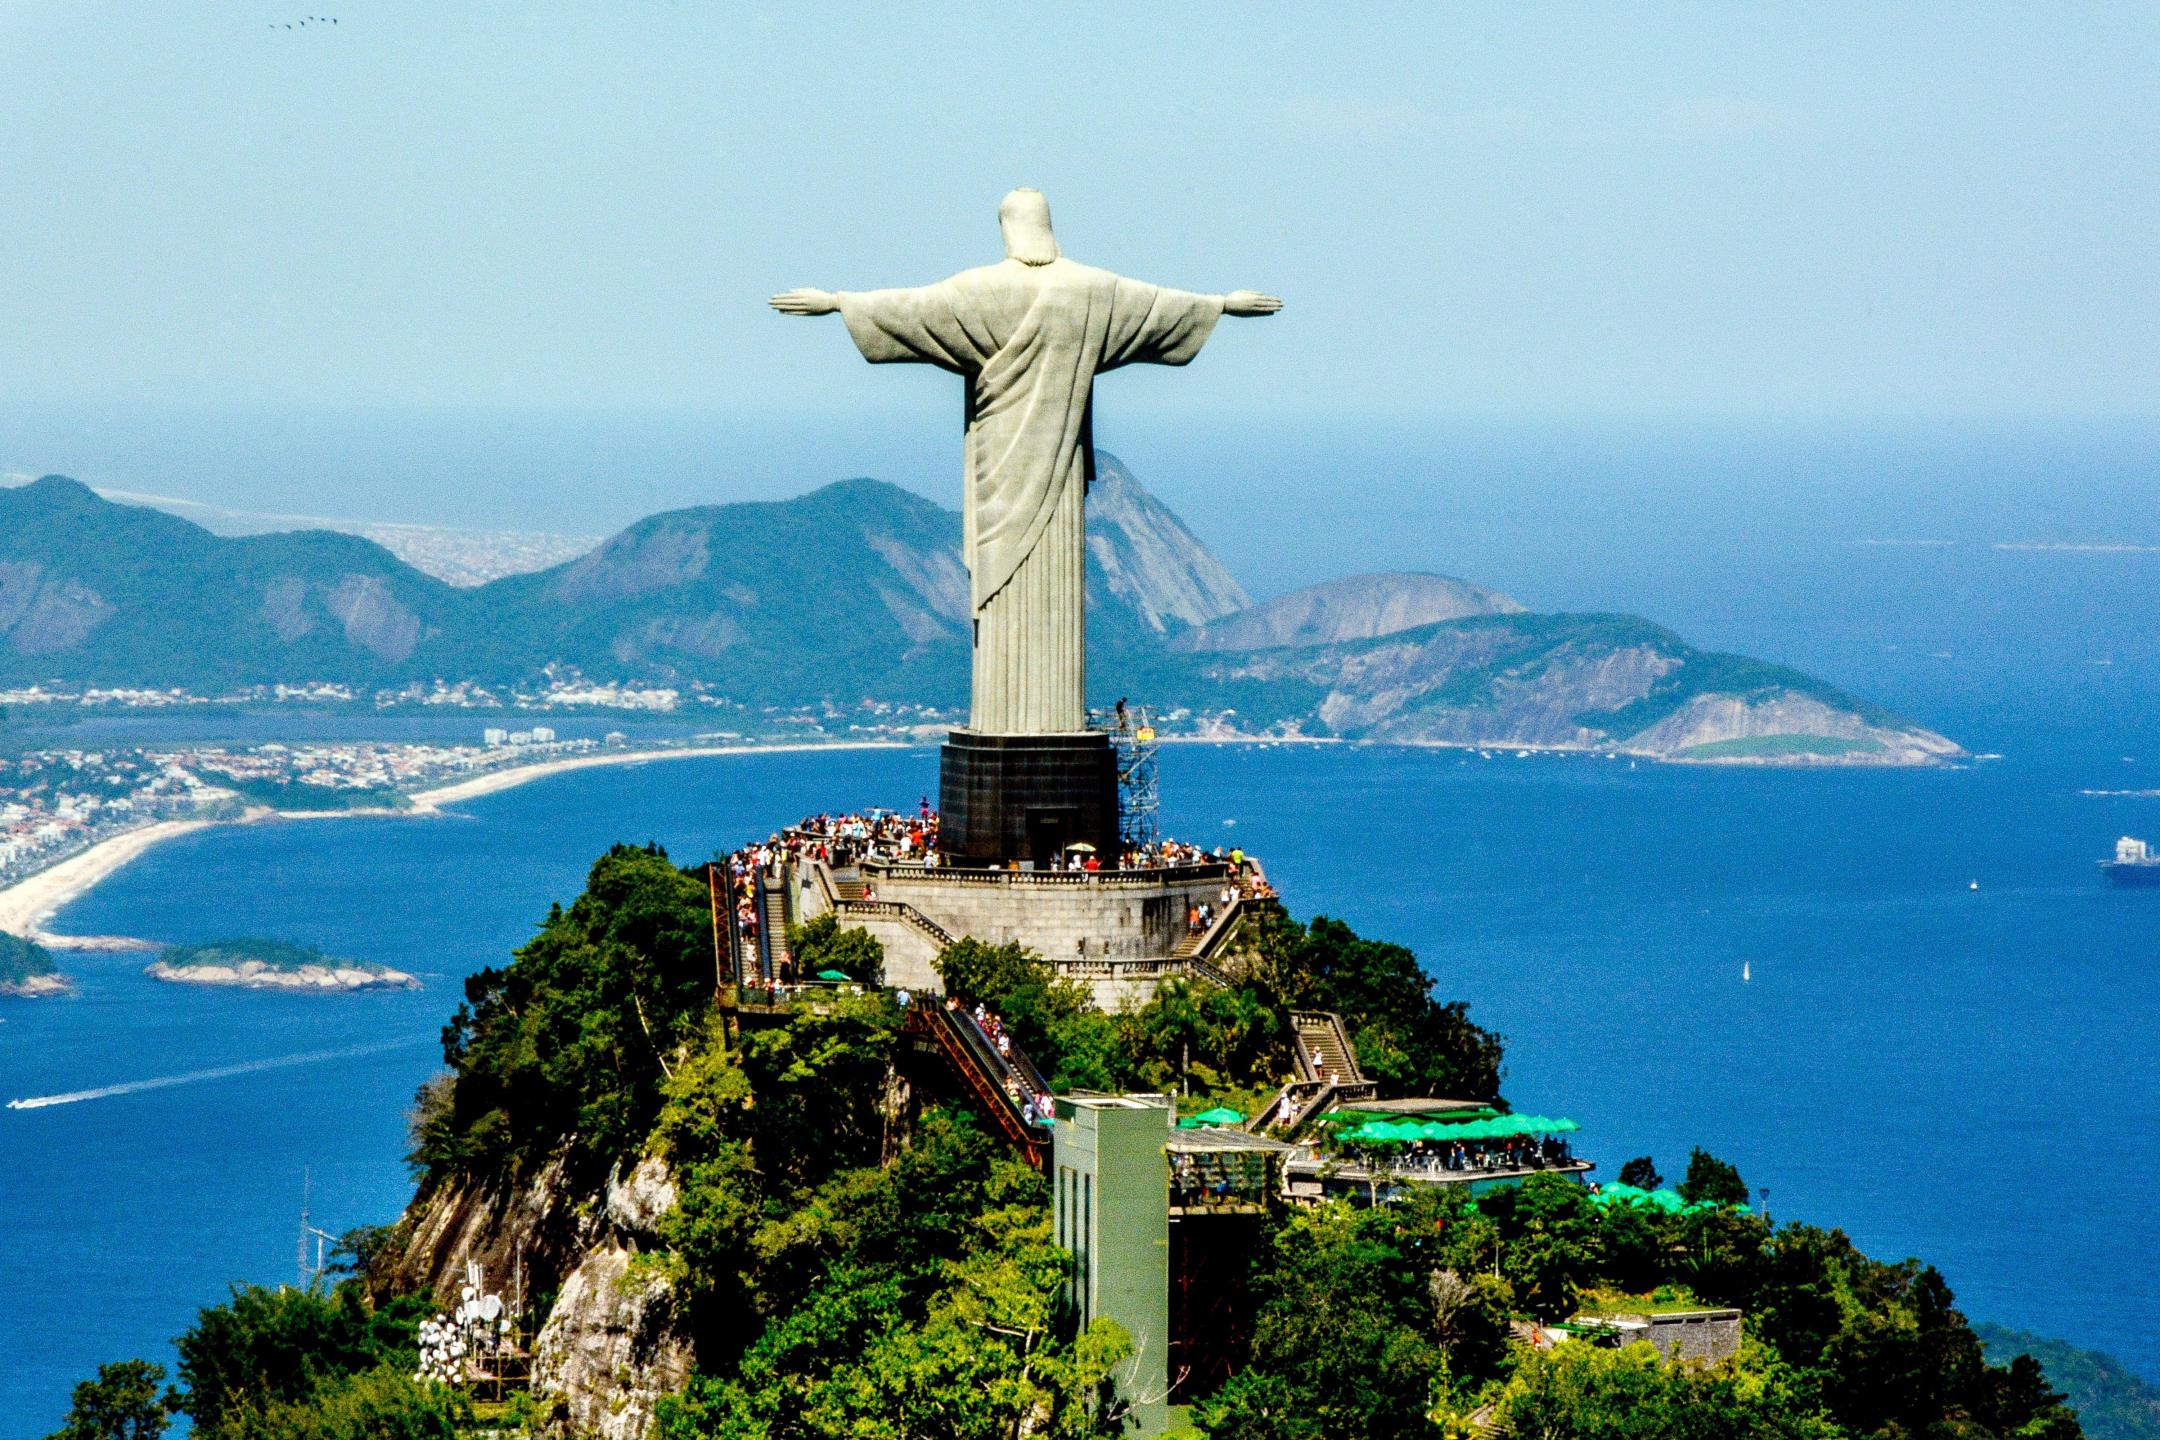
(1433,1157)
(1022,1085)
(835,839)
(869,835)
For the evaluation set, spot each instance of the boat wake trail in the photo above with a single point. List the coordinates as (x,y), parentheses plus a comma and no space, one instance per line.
(220,1072)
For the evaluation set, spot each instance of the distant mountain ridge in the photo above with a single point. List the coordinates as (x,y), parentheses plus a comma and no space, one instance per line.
(857,591)
(1357,607)
(457,556)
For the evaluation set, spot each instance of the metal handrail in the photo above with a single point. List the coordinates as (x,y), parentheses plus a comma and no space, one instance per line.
(1109,879)
(952,1039)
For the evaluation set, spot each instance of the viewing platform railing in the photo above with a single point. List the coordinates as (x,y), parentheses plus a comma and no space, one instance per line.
(1073,879)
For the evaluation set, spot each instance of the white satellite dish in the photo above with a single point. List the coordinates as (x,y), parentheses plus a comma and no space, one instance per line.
(491,1309)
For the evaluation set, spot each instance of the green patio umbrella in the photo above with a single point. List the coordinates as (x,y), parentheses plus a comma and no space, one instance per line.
(840,975)
(1220,1115)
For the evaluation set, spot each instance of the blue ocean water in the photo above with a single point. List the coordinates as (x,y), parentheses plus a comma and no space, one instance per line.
(1967,1075)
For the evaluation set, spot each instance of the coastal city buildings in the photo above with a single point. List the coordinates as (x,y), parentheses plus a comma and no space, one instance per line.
(56,802)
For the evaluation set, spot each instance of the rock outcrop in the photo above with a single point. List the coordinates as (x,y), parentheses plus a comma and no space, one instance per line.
(1147,560)
(609,1351)
(1357,607)
(1581,682)
(255,975)
(609,1347)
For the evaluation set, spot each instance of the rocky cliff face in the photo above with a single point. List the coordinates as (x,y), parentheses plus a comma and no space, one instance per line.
(1358,607)
(609,1348)
(857,591)
(1148,561)
(1580,681)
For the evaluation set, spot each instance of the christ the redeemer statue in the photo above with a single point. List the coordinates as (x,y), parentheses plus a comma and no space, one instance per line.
(1029,335)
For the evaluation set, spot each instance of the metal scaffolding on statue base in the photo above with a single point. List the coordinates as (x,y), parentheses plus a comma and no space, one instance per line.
(1132,737)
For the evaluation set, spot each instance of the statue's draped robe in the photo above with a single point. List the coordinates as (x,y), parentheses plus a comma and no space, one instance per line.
(1030,340)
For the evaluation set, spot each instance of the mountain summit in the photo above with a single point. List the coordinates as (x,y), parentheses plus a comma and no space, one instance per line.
(856,591)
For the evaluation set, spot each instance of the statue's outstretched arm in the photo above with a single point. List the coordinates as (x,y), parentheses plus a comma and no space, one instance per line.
(808,302)
(1240,302)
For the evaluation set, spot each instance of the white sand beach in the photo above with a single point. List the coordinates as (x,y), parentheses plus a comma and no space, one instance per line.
(29,903)
(425,801)
(26,905)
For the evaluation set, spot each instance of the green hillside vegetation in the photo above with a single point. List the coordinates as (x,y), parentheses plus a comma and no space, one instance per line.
(22,960)
(2112,1403)
(1705,672)
(735,594)
(300,795)
(1523,647)
(117,594)
(1778,746)
(853,591)
(847,1268)
(273,954)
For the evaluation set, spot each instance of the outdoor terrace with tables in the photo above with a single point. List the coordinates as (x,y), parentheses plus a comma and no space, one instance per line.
(1369,1153)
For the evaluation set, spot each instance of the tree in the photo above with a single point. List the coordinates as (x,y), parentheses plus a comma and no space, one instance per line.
(1054,1021)
(1587,1392)
(122,1403)
(1713,1180)
(1642,1173)
(1550,1246)
(265,1349)
(358,1248)
(385,1403)
(820,944)
(1408,1041)
(1197,1037)
(569,1043)
(1343,1336)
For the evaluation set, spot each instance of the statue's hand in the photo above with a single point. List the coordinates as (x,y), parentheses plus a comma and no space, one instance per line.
(1248,302)
(806,302)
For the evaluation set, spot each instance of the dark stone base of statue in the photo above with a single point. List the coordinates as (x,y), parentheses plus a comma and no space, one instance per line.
(1026,797)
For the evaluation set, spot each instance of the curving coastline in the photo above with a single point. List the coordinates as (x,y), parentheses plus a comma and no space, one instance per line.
(31,902)
(432,800)
(26,905)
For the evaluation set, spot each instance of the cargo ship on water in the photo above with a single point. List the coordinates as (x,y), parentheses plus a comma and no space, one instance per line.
(2135,864)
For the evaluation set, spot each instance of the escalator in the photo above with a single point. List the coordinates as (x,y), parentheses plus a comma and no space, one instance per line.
(999,1083)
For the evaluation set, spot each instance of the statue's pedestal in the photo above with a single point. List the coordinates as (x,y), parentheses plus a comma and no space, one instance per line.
(1026,797)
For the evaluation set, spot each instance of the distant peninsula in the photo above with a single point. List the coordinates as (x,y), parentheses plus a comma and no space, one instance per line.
(853,598)
(27,969)
(255,964)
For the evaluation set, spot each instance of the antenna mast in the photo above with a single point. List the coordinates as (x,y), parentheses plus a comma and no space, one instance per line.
(309,1274)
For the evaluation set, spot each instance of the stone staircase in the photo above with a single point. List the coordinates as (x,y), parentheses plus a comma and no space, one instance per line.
(1324,1048)
(773,917)
(1327,1073)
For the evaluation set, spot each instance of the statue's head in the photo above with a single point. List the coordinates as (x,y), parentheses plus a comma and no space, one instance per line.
(1024,217)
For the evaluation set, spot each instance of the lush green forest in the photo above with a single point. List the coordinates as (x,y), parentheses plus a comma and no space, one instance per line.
(722,597)
(22,959)
(276,954)
(849,1265)
(299,795)
(2112,1403)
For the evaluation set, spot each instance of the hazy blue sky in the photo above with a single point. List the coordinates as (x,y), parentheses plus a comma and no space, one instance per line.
(1471,209)
(1608,305)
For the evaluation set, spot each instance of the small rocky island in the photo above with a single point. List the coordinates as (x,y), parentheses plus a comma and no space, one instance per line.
(27,969)
(255,964)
